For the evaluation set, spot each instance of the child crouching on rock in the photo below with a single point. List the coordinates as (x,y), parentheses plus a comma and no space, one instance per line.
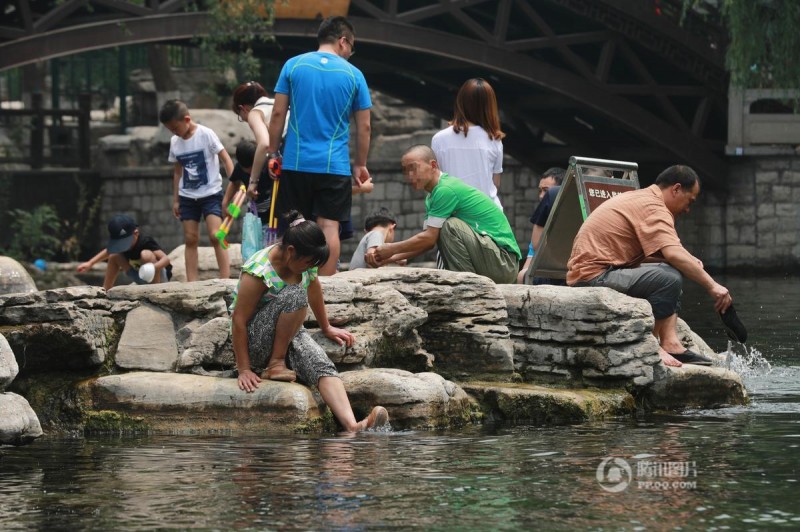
(127,251)
(275,288)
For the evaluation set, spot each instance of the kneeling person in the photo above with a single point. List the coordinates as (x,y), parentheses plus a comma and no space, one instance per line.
(471,231)
(127,251)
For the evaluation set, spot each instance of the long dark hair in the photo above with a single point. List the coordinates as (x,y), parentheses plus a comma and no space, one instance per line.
(247,94)
(306,237)
(477,103)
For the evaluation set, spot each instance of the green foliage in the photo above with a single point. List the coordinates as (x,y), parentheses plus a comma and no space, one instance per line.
(35,233)
(764,44)
(764,40)
(235,28)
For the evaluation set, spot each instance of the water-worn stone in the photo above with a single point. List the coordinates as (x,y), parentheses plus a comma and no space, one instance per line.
(200,298)
(191,403)
(421,400)
(14,278)
(693,386)
(8,364)
(207,267)
(536,404)
(593,336)
(207,343)
(459,325)
(148,340)
(18,422)
(383,321)
(466,330)
(81,341)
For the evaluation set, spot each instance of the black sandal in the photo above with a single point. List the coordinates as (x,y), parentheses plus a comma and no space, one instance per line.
(733,326)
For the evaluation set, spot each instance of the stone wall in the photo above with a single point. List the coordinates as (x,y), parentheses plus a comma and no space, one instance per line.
(755,224)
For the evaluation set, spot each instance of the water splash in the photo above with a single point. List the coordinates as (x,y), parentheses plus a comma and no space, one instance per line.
(748,362)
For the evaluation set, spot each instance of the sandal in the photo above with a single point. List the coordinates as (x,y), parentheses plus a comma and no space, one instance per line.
(734,327)
(279,372)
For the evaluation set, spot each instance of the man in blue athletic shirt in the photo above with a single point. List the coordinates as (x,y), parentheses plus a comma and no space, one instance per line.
(323,90)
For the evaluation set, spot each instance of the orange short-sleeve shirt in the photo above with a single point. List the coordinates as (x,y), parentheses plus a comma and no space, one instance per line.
(622,232)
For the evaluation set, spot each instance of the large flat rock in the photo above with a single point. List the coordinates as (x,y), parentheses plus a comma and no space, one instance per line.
(694,387)
(414,400)
(177,403)
(530,403)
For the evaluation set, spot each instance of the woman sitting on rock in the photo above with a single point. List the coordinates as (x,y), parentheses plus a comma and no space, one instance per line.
(269,307)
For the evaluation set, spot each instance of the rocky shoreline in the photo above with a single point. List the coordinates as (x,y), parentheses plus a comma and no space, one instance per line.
(437,348)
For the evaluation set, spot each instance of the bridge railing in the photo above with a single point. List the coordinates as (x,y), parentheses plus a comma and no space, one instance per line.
(763,121)
(56,137)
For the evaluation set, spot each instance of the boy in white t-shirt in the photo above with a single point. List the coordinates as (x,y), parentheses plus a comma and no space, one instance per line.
(380,229)
(197,183)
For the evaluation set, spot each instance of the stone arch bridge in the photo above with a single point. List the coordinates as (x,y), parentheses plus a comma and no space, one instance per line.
(617,79)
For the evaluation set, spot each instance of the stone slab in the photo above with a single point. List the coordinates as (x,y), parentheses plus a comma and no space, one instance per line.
(148,340)
(530,403)
(193,403)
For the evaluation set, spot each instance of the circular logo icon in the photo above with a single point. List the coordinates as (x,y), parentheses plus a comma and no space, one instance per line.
(614,474)
(324,60)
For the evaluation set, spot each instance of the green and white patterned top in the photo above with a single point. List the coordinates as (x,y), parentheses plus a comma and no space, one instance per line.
(259,266)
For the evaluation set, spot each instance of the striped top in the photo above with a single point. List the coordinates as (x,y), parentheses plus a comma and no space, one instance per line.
(259,266)
(622,232)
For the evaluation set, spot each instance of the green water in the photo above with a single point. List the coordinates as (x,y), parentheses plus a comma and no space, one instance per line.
(743,464)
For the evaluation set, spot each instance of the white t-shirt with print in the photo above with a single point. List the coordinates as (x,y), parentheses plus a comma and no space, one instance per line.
(474,159)
(198,155)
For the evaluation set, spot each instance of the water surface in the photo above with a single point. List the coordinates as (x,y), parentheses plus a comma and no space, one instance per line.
(742,464)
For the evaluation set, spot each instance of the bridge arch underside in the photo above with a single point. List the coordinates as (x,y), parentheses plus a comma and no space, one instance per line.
(548,113)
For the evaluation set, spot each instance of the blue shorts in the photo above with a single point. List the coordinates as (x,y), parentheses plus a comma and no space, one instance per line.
(198,208)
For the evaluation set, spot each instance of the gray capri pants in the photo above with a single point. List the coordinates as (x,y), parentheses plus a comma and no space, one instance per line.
(658,283)
(305,356)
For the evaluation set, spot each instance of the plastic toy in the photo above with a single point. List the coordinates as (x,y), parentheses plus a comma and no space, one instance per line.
(234,210)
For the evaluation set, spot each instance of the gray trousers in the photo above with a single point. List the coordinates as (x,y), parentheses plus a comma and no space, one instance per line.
(658,283)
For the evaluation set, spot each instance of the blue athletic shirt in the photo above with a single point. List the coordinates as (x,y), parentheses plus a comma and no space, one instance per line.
(324,90)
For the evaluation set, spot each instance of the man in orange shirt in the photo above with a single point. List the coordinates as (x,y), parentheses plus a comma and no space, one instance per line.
(629,243)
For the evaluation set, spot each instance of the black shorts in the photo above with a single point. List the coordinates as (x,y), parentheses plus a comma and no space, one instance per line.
(315,195)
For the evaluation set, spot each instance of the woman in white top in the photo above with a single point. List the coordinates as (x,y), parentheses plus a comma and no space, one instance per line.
(247,97)
(471,149)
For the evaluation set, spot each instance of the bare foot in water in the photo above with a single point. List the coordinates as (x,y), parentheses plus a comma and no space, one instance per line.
(668,359)
(376,419)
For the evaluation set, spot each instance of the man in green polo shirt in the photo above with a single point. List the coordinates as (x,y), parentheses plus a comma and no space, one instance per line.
(472,232)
